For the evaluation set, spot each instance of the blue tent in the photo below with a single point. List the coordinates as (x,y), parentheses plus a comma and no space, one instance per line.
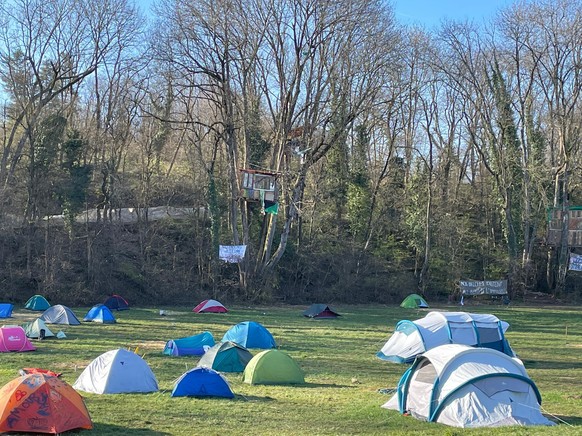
(250,334)
(191,346)
(6,310)
(100,313)
(226,357)
(202,382)
(116,302)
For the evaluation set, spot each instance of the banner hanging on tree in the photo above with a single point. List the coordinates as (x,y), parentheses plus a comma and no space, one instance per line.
(575,262)
(232,253)
(484,287)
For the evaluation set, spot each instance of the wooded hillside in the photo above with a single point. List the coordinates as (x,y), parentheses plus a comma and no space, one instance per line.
(402,160)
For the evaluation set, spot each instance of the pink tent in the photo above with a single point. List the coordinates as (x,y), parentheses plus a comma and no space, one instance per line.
(13,338)
(211,306)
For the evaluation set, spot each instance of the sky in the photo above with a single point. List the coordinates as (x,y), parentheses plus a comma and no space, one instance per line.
(430,13)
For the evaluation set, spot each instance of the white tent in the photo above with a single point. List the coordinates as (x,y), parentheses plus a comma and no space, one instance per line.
(37,330)
(462,386)
(115,372)
(412,338)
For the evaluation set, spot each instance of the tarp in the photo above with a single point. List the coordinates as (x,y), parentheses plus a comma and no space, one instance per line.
(483,287)
(191,346)
(414,301)
(210,306)
(250,334)
(13,338)
(40,403)
(412,338)
(320,311)
(6,310)
(37,330)
(60,314)
(202,382)
(116,372)
(116,302)
(463,386)
(226,357)
(100,313)
(273,367)
(37,302)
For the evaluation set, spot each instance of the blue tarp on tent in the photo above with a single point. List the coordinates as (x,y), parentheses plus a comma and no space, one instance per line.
(191,346)
(202,382)
(6,310)
(100,313)
(250,334)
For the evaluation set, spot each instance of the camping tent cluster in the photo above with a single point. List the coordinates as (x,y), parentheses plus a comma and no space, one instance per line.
(464,373)
(232,355)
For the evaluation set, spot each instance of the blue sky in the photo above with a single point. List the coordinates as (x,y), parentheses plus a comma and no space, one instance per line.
(430,12)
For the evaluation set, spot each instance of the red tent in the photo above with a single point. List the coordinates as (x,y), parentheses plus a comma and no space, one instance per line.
(210,306)
(40,403)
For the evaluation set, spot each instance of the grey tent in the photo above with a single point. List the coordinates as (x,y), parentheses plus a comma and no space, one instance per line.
(320,311)
(226,357)
(37,329)
(59,314)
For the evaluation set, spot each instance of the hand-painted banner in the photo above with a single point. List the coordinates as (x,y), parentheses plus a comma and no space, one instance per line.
(484,287)
(232,253)
(575,262)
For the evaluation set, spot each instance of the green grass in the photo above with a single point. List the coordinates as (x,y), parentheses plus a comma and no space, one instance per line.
(331,352)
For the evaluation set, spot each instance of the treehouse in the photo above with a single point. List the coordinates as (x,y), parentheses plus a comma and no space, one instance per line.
(258,185)
(555,222)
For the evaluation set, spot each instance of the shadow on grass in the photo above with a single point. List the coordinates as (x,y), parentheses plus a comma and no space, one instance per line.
(323,385)
(110,429)
(546,364)
(565,420)
(240,397)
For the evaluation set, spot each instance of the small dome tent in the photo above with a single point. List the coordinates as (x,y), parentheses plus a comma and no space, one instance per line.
(37,302)
(117,372)
(250,334)
(320,311)
(202,382)
(210,306)
(191,346)
(414,301)
(226,357)
(273,367)
(412,338)
(37,330)
(116,302)
(461,386)
(13,338)
(40,403)
(6,310)
(59,314)
(100,313)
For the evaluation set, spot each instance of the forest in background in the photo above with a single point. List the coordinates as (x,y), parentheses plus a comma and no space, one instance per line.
(405,159)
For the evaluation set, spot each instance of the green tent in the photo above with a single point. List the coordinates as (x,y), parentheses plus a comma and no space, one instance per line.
(273,367)
(414,301)
(34,330)
(37,302)
(226,357)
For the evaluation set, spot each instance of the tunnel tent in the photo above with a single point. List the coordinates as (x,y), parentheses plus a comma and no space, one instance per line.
(468,387)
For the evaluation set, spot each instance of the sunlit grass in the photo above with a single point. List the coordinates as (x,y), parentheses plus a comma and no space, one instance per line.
(343,377)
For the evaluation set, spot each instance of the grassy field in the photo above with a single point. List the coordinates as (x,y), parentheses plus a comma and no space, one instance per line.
(343,377)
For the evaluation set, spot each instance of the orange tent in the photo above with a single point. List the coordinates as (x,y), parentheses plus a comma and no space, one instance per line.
(41,403)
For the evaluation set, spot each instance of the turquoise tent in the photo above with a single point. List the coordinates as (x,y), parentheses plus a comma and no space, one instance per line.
(226,357)
(191,346)
(37,302)
(250,334)
(100,313)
